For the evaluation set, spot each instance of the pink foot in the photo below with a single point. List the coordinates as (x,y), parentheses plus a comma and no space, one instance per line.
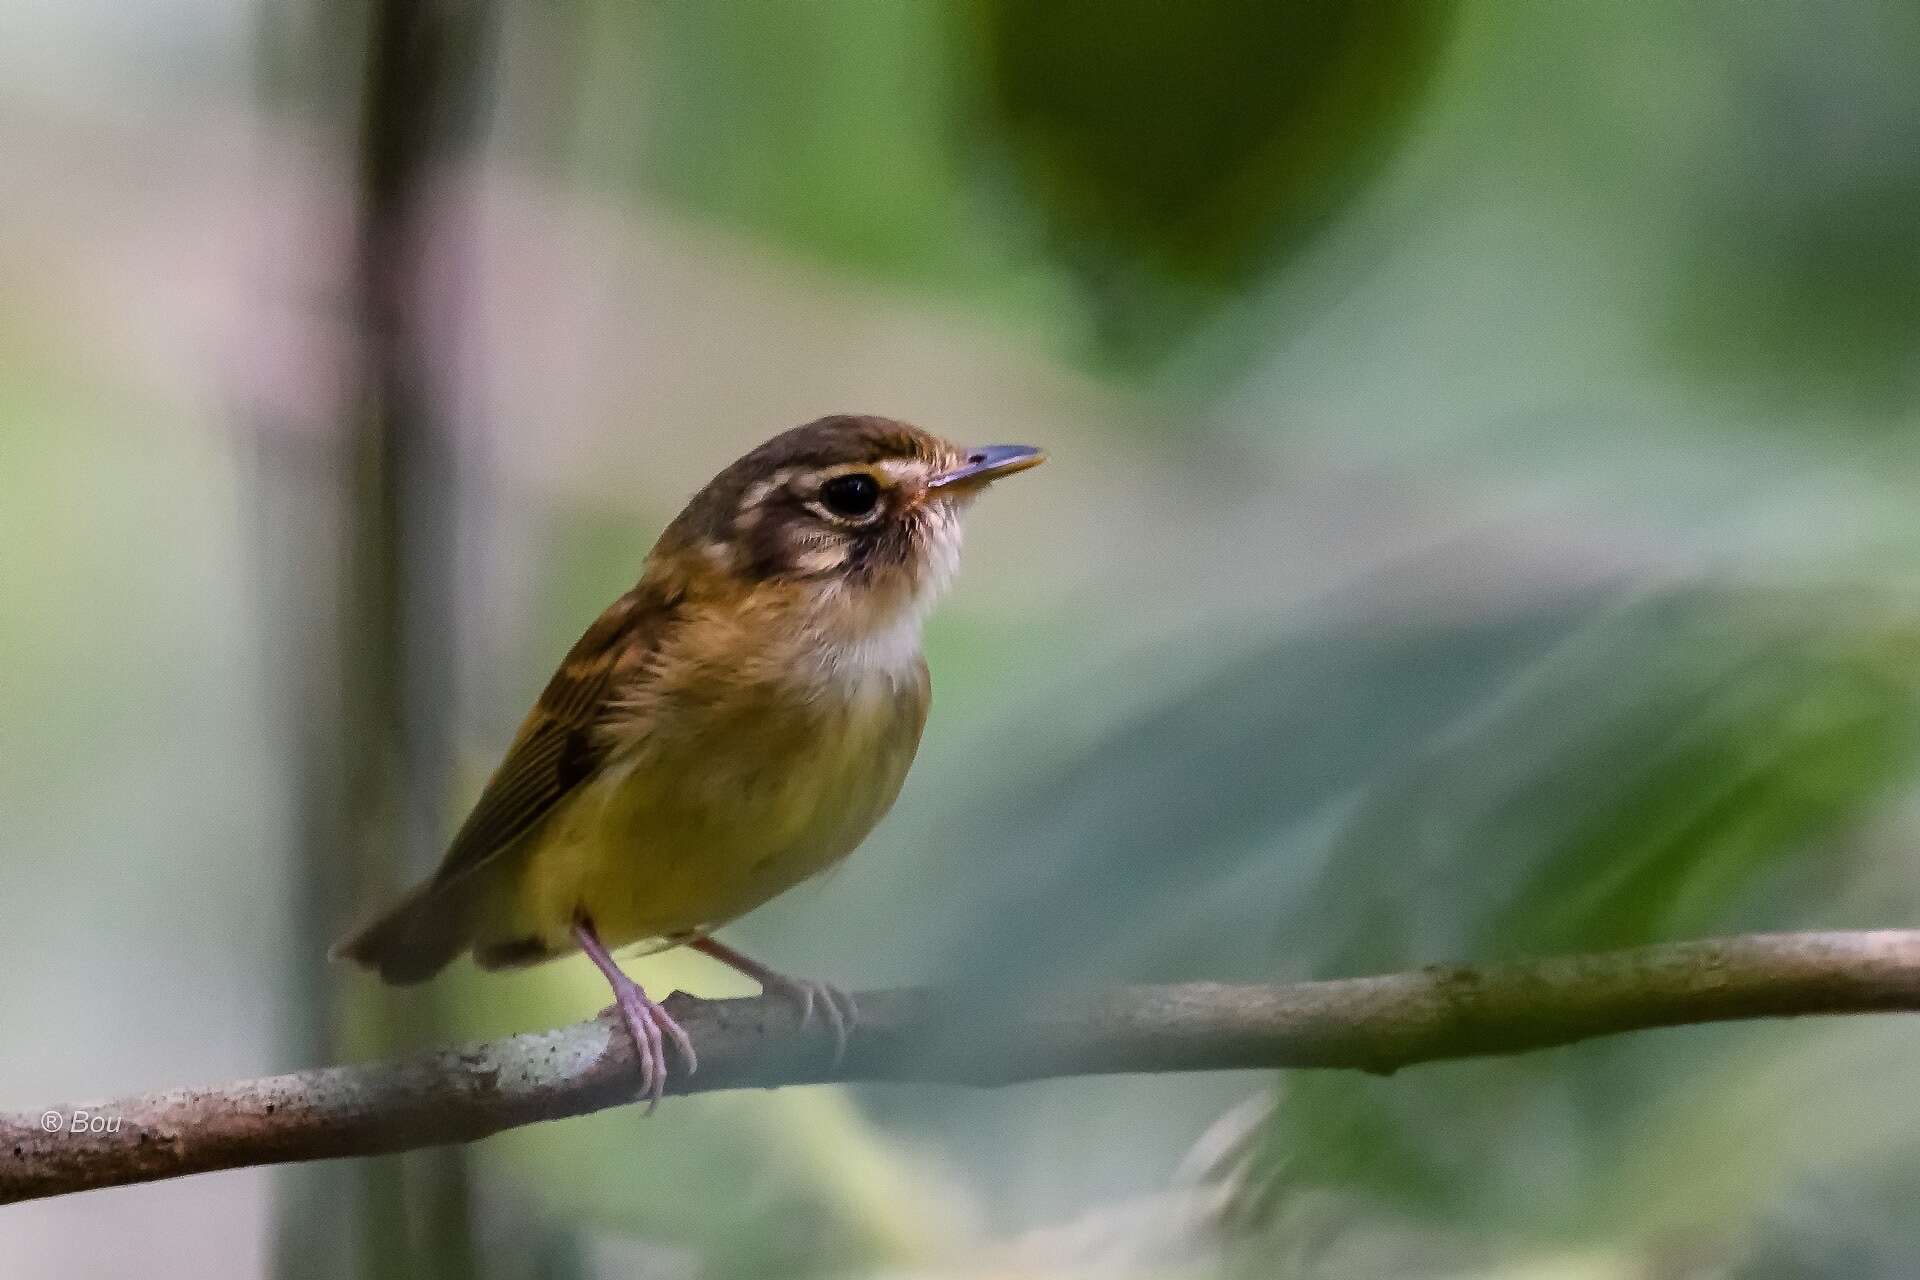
(841,1012)
(843,1015)
(647,1022)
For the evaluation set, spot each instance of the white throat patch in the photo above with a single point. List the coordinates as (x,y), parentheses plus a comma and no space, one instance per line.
(858,645)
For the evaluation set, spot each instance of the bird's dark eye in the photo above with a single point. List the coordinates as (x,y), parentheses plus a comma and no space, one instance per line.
(854,494)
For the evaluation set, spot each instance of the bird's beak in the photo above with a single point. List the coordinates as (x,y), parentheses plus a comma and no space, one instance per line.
(986,464)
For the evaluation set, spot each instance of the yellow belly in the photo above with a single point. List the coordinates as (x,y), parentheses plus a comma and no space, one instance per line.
(696,827)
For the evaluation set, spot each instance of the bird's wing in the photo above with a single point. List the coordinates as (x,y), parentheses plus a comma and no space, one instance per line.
(560,746)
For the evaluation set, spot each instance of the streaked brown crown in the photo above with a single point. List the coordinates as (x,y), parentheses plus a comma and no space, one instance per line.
(772,515)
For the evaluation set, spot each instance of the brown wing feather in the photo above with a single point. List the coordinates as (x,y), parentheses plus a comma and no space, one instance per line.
(557,747)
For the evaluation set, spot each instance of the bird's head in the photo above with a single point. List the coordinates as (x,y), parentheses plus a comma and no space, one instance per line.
(849,516)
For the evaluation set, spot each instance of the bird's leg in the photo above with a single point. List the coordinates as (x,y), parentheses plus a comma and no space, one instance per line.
(645,1019)
(842,1013)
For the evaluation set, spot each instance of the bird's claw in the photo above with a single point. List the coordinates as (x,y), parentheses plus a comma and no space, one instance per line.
(650,1025)
(842,1012)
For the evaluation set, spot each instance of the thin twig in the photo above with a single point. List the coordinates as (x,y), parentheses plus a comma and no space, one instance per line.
(1372,1024)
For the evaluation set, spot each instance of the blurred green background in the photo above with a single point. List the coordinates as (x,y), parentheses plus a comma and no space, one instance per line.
(1481,523)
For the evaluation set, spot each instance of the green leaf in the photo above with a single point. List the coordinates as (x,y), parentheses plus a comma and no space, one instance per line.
(1686,765)
(1176,151)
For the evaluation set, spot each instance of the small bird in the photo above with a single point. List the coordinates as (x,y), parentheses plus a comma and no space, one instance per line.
(734,724)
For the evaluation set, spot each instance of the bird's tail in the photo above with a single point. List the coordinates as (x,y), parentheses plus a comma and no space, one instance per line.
(415,938)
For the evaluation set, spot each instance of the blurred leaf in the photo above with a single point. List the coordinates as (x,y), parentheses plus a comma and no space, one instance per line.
(1163,848)
(1633,787)
(1684,766)
(1174,150)
(1377,797)
(1151,829)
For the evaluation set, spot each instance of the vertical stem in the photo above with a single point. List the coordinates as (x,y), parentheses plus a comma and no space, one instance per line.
(372,789)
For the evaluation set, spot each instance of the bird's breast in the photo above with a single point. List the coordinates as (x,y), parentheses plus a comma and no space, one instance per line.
(728,801)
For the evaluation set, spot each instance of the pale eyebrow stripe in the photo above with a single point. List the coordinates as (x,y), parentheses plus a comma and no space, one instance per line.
(756,493)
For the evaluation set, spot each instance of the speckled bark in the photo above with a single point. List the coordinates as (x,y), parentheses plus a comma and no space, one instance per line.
(1373,1024)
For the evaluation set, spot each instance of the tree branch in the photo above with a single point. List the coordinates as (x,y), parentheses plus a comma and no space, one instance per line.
(1373,1024)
